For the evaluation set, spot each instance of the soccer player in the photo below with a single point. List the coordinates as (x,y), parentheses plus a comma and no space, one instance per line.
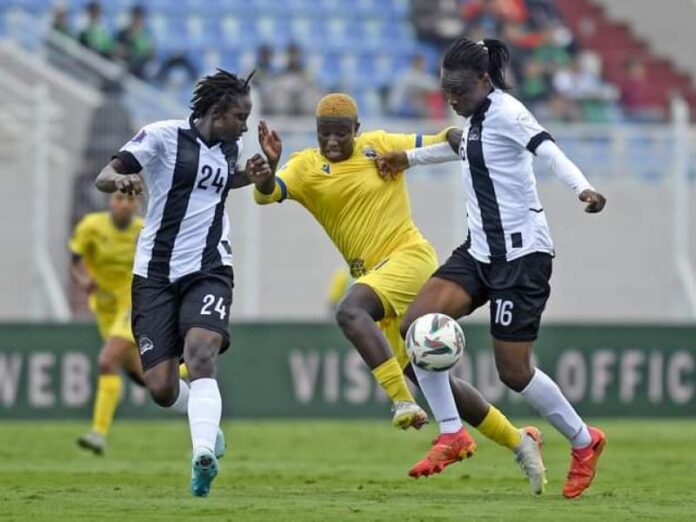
(103,247)
(182,283)
(507,257)
(369,221)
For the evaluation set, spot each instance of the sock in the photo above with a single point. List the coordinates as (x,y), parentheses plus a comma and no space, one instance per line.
(391,379)
(498,428)
(183,371)
(181,403)
(204,412)
(108,396)
(547,399)
(437,390)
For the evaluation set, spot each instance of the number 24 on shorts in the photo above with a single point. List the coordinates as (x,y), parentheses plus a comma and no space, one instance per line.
(209,301)
(503,312)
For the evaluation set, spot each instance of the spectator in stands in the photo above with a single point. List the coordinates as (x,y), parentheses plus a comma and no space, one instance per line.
(415,90)
(295,92)
(437,21)
(95,35)
(135,45)
(581,83)
(636,94)
(535,85)
(60,22)
(263,79)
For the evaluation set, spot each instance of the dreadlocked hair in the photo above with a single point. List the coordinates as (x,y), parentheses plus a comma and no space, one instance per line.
(488,56)
(219,91)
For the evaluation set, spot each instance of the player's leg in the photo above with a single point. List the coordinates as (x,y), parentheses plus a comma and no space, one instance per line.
(513,360)
(454,442)
(206,299)
(109,388)
(357,315)
(517,303)
(453,397)
(155,325)
(456,290)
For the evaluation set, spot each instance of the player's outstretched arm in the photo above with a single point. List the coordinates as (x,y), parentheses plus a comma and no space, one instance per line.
(115,176)
(392,164)
(560,165)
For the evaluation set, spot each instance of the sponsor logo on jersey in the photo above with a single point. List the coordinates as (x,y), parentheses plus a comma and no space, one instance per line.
(145,344)
(357,268)
(369,152)
(474,134)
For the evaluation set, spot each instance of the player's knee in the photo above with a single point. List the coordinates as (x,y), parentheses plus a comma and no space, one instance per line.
(515,378)
(163,393)
(346,315)
(107,365)
(201,356)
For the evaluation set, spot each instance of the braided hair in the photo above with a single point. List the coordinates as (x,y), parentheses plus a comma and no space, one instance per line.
(488,56)
(218,90)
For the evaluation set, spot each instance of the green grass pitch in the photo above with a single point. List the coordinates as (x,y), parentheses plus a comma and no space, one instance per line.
(333,470)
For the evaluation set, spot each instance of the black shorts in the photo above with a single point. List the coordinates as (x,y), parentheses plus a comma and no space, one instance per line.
(164,312)
(517,290)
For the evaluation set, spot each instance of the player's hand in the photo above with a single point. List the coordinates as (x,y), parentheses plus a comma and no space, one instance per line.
(131,184)
(271,144)
(595,201)
(258,169)
(88,285)
(391,164)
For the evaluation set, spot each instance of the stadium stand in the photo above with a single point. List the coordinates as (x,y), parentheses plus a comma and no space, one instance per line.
(365,51)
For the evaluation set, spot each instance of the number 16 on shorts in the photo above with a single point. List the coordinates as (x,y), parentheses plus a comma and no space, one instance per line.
(503,312)
(212,304)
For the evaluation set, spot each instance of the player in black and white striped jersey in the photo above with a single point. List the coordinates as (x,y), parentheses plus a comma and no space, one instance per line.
(507,257)
(183,279)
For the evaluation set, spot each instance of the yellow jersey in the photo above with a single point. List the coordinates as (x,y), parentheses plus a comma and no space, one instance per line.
(366,217)
(107,250)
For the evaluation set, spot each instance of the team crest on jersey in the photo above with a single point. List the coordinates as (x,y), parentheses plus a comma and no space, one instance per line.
(139,137)
(326,168)
(145,344)
(474,134)
(369,152)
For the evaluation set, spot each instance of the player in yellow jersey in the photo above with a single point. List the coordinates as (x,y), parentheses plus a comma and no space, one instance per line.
(369,220)
(103,248)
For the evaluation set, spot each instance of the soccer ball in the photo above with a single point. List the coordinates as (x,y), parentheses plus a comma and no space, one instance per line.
(435,342)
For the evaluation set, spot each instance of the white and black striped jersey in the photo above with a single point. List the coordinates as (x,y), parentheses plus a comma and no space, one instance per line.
(186,226)
(505,218)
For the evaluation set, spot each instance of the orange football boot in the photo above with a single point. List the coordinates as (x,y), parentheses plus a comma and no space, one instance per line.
(583,465)
(447,449)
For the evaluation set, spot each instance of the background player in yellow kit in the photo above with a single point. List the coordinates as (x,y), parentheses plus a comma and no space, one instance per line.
(369,221)
(103,248)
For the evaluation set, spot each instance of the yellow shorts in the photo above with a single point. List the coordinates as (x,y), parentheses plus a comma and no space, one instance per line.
(397,280)
(113,313)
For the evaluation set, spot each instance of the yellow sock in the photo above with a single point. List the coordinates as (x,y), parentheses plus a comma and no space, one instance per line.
(108,395)
(183,371)
(391,378)
(498,428)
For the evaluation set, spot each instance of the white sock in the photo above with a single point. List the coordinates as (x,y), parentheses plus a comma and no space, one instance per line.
(181,403)
(547,399)
(204,412)
(436,388)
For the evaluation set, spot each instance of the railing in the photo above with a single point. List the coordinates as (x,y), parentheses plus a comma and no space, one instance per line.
(145,102)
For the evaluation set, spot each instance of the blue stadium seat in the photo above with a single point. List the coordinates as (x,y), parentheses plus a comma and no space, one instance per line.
(203,32)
